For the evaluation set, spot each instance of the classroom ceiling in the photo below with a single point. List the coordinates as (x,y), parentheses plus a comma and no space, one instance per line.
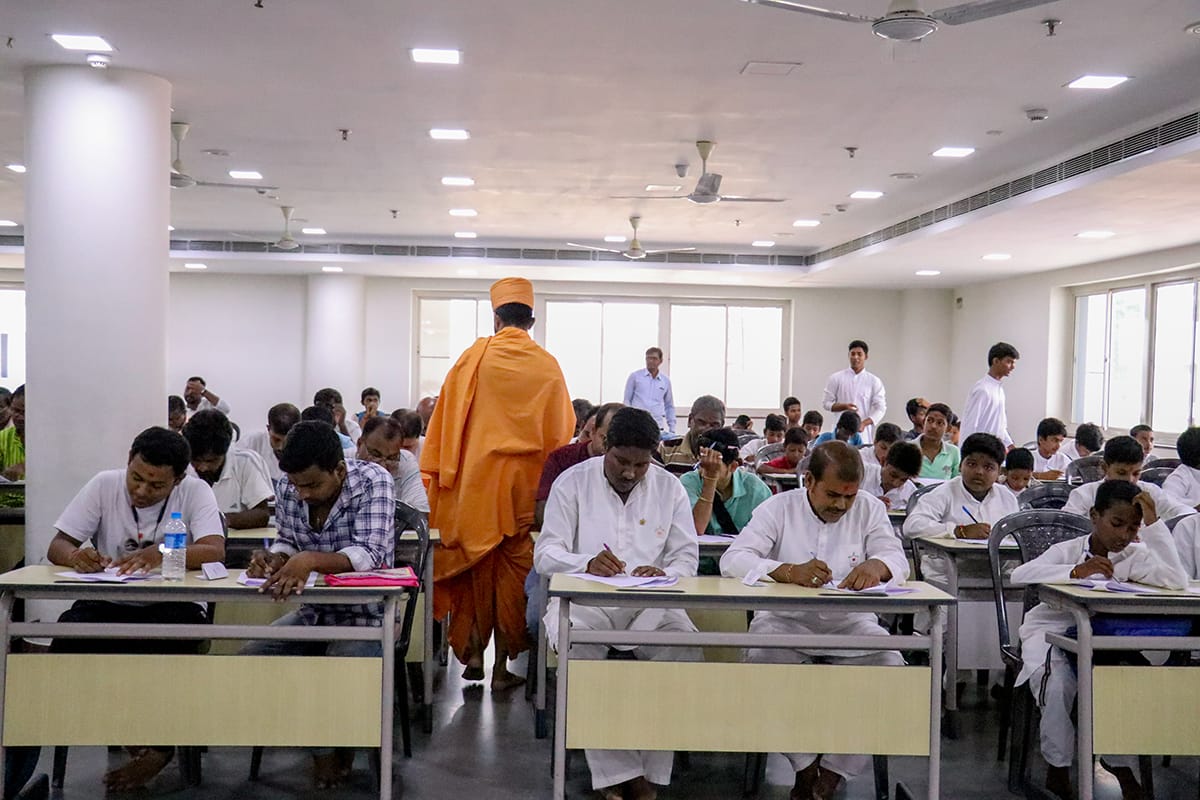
(568,103)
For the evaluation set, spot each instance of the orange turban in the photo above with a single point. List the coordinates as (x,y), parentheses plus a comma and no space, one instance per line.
(512,290)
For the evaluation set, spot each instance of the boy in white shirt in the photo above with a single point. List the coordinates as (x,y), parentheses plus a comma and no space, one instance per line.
(1089,439)
(886,435)
(1049,463)
(1109,551)
(894,482)
(985,410)
(1123,462)
(1183,483)
(1018,471)
(1145,437)
(621,513)
(828,533)
(238,477)
(774,428)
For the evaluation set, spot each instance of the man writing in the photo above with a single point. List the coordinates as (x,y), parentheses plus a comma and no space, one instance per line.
(855,389)
(238,478)
(650,389)
(197,397)
(502,409)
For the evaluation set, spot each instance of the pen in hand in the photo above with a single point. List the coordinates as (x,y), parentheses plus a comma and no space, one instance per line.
(967,511)
(609,550)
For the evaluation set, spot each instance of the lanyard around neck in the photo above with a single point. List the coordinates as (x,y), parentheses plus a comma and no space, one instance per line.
(137,525)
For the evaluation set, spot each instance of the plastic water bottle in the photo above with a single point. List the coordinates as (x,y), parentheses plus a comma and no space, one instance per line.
(174,548)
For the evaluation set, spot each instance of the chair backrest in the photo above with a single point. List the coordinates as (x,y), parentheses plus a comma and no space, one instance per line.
(746,437)
(679,469)
(409,552)
(1030,445)
(768,452)
(1086,469)
(1047,495)
(1156,474)
(915,496)
(1035,531)
(1171,463)
(1173,521)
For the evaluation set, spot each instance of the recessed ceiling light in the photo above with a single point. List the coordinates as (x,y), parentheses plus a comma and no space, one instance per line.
(170,228)
(453,134)
(427,55)
(614,239)
(313,231)
(71,41)
(762,243)
(928,273)
(467,272)
(953,152)
(465,234)
(195,265)
(245,174)
(662,187)
(331,269)
(463,212)
(451,181)
(17,168)
(866,194)
(806,223)
(1095,235)
(997,257)
(1097,81)
(7,223)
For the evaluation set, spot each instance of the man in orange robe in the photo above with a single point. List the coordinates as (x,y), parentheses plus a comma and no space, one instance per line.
(503,407)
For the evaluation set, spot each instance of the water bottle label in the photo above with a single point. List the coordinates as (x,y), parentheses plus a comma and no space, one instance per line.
(175,541)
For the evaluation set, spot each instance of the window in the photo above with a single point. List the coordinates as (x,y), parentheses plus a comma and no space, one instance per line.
(733,352)
(598,344)
(12,338)
(1174,355)
(448,327)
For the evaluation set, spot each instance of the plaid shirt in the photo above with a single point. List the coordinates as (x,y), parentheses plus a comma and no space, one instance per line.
(361,526)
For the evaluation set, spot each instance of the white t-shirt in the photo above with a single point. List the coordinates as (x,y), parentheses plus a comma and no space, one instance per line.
(260,442)
(1184,485)
(244,482)
(103,513)
(1058,461)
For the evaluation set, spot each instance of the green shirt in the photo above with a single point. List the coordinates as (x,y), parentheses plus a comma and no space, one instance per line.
(12,449)
(748,491)
(943,466)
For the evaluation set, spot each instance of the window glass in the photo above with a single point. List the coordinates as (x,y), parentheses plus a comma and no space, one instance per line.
(754,356)
(1127,358)
(697,356)
(1174,338)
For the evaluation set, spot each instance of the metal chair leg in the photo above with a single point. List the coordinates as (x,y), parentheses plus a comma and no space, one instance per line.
(1146,773)
(256,754)
(60,767)
(880,764)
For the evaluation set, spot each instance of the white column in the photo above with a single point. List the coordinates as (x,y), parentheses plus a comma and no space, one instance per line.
(97,205)
(334,335)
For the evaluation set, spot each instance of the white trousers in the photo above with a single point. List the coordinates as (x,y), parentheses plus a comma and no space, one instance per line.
(1056,697)
(848,766)
(611,767)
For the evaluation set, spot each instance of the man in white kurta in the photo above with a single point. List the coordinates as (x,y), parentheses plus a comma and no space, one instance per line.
(828,533)
(1123,461)
(1184,482)
(605,516)
(985,410)
(855,389)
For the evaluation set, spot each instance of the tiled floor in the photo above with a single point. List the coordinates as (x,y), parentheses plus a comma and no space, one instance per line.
(483,748)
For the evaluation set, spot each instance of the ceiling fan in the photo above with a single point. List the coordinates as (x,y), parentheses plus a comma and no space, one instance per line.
(180,179)
(905,21)
(635,251)
(708,188)
(286,242)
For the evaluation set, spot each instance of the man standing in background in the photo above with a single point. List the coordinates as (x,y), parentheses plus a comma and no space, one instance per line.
(503,408)
(650,390)
(855,389)
(985,409)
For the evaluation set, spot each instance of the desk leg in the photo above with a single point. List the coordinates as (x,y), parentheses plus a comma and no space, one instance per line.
(1083,734)
(6,604)
(543,644)
(951,679)
(936,614)
(560,694)
(386,699)
(427,676)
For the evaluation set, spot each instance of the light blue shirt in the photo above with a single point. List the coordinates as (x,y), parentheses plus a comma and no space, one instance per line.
(653,394)
(829,436)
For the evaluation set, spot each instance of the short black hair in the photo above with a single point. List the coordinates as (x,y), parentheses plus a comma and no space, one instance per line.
(1111,493)
(742,419)
(327,397)
(1090,436)
(790,401)
(724,441)
(198,379)
(1136,429)
(605,411)
(984,444)
(175,405)
(953,421)
(1051,426)
(1001,350)
(840,456)
(311,444)
(795,436)
(583,409)
(370,391)
(654,351)
(160,447)
(888,432)
(775,423)
(316,414)
(282,417)
(208,433)
(18,392)
(849,421)
(409,422)
(860,344)
(1188,446)
(392,428)
(516,315)
(1123,450)
(813,418)
(939,408)
(1018,458)
(906,457)
(633,427)
(913,406)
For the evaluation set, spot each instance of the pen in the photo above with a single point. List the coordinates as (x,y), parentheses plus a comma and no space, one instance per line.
(967,511)
(610,550)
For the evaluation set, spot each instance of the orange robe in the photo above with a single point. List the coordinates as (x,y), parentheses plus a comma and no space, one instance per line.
(503,407)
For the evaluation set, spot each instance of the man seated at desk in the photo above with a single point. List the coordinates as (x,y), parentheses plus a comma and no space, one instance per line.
(829,533)
(621,513)
(894,482)
(238,477)
(382,443)
(708,413)
(117,520)
(333,516)
(268,443)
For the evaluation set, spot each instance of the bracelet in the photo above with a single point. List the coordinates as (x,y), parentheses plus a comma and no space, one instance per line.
(703,499)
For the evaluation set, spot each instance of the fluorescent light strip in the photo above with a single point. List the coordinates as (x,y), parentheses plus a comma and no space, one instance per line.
(429,55)
(452,181)
(17,168)
(7,223)
(661,187)
(195,265)
(170,228)
(762,243)
(313,231)
(1095,235)
(806,223)
(866,194)
(449,134)
(928,273)
(331,269)
(614,239)
(1097,81)
(997,257)
(463,212)
(953,152)
(72,41)
(245,174)
(465,234)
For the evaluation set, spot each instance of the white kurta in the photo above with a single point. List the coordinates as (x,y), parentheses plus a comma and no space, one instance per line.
(984,411)
(1183,484)
(864,390)
(260,442)
(939,511)
(895,499)
(1187,544)
(1082,498)
(1058,461)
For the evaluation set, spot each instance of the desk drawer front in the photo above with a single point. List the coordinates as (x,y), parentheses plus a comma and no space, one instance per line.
(1148,710)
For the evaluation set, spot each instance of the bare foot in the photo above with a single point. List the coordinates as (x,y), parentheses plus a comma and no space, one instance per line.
(828,782)
(473,672)
(139,771)
(612,792)
(502,680)
(642,789)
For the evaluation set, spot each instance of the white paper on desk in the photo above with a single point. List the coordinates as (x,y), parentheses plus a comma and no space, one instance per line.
(1127,588)
(1007,541)
(882,590)
(109,575)
(246,580)
(630,581)
(715,538)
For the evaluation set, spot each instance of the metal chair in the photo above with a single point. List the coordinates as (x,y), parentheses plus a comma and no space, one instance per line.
(1086,469)
(768,452)
(1173,521)
(1156,474)
(914,548)
(1047,495)
(1170,463)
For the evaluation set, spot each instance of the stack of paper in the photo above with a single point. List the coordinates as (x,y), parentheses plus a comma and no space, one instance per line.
(629,581)
(246,580)
(882,590)
(109,575)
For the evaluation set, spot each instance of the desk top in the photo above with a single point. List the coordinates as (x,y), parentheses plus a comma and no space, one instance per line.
(1162,601)
(269,533)
(732,592)
(960,546)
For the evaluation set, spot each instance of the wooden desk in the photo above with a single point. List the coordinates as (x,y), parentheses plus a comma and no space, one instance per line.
(231,700)
(954,551)
(670,705)
(1120,711)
